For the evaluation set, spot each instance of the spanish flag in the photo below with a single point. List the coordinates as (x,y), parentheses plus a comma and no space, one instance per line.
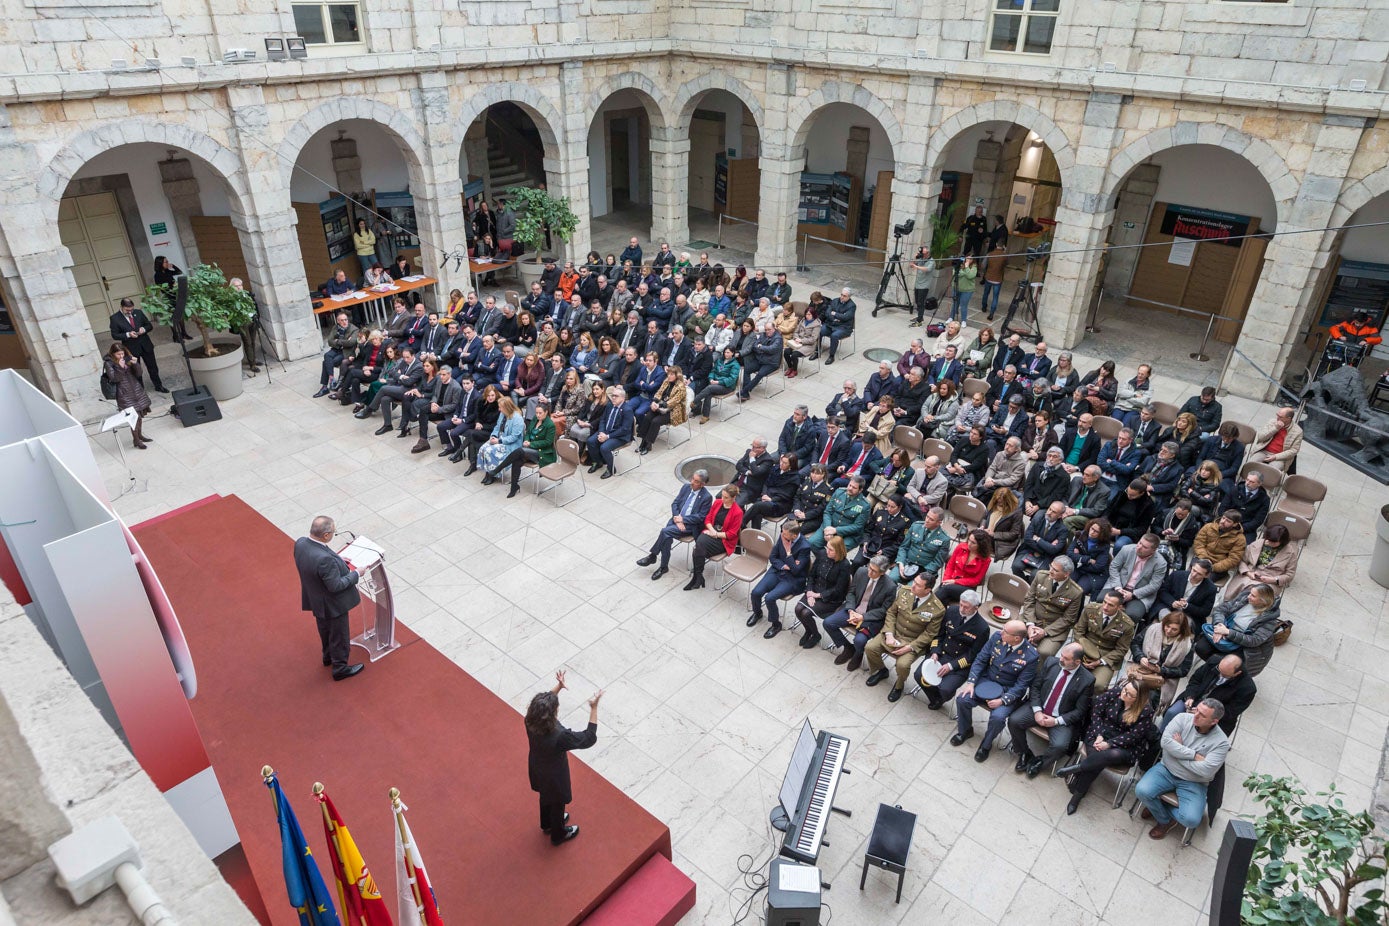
(361,902)
(303,881)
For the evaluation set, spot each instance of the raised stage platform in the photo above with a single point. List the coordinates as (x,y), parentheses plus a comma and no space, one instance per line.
(413,720)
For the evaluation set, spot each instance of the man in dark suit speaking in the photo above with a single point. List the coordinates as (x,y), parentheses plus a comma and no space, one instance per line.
(330,591)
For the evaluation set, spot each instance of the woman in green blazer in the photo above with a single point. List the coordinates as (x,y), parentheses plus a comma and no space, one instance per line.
(538,447)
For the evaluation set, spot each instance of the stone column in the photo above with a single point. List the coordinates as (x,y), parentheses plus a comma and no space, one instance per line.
(670,175)
(475,158)
(780,186)
(1006,173)
(181,190)
(347,166)
(439,199)
(1082,221)
(1135,202)
(1293,264)
(986,177)
(267,229)
(569,177)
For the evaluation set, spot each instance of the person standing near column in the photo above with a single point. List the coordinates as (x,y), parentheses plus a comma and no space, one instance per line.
(131,328)
(329,590)
(548,763)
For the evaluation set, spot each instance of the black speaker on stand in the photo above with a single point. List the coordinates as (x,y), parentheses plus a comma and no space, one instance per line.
(195,405)
(1231,870)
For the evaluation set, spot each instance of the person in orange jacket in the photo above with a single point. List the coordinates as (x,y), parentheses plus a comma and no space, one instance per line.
(1357,330)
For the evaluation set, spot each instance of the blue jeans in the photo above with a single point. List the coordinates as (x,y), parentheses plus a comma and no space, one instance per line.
(989,299)
(998,716)
(1121,541)
(836,333)
(1191,797)
(770,589)
(960,312)
(1177,709)
(367,260)
(834,629)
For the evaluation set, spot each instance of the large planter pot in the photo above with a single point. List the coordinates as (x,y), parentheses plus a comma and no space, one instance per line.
(220,374)
(530,271)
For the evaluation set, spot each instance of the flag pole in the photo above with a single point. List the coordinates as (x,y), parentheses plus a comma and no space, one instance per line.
(335,850)
(394,795)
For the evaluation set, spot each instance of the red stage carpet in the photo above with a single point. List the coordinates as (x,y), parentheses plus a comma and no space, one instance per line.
(414,721)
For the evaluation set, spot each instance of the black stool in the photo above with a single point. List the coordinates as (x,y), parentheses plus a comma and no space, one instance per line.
(889,844)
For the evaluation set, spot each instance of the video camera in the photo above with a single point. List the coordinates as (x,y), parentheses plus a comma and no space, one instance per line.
(905,229)
(1039,251)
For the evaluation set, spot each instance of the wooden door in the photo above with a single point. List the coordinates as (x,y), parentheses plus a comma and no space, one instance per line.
(706,141)
(103,263)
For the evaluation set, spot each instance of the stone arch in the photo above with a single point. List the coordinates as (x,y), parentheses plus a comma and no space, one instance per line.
(804,110)
(401,129)
(1259,154)
(54,178)
(539,107)
(1004,111)
(655,101)
(1358,194)
(685,97)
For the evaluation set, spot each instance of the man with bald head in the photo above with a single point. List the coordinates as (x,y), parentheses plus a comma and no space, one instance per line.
(329,589)
(999,680)
(1059,704)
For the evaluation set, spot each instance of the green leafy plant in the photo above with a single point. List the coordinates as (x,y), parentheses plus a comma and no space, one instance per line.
(537,210)
(212,305)
(1315,862)
(944,234)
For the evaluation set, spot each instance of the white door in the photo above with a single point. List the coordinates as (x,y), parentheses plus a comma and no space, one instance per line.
(706,141)
(103,263)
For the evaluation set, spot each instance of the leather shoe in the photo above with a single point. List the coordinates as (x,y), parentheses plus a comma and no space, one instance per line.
(1034,768)
(514,490)
(1066,770)
(894,695)
(1073,805)
(754,618)
(348,672)
(607,474)
(854,662)
(810,640)
(566,820)
(981,753)
(446,452)
(1022,763)
(321,393)
(660,571)
(384,429)
(772,630)
(1161,830)
(844,656)
(403,432)
(646,560)
(875,678)
(594,467)
(456,456)
(959,738)
(327,661)
(933,704)
(694,583)
(488,479)
(361,414)
(569,833)
(1146,814)
(420,446)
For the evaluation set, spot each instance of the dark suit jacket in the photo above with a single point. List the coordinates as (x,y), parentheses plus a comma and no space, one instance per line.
(752,474)
(548,763)
(803,444)
(1090,447)
(328,587)
(1198,606)
(848,410)
(682,353)
(698,511)
(883,594)
(121,330)
(1074,707)
(1236,695)
(621,429)
(838,451)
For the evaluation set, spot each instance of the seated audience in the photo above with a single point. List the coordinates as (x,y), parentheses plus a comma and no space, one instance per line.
(1244,626)
(1106,632)
(1058,704)
(1251,500)
(752,471)
(667,408)
(1205,409)
(846,516)
(910,624)
(865,608)
(778,493)
(1223,448)
(959,641)
(1222,543)
(1193,751)
(1270,560)
(1223,680)
(723,379)
(1277,442)
(1130,513)
(887,526)
(1092,551)
(825,590)
(719,537)
(966,567)
(611,433)
(923,550)
(1043,541)
(787,568)
(1190,591)
(1046,483)
(999,679)
(1119,727)
(687,512)
(1088,499)
(1136,574)
(1162,656)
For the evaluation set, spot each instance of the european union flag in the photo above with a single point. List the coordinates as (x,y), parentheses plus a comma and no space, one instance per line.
(307,892)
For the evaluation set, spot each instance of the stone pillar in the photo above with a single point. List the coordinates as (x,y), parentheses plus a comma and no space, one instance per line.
(181,190)
(1006,173)
(1293,263)
(986,177)
(1082,221)
(670,174)
(780,187)
(476,162)
(347,166)
(569,177)
(915,190)
(439,199)
(1135,202)
(856,152)
(267,229)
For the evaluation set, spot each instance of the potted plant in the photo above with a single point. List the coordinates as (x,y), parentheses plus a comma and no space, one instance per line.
(215,308)
(536,210)
(1315,862)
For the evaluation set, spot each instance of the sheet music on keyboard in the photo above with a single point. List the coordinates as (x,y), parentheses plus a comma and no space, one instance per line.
(801,758)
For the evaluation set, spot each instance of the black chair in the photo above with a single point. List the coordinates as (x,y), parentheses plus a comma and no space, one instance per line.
(889,844)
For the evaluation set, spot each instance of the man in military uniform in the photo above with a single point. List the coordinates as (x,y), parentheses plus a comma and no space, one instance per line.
(924,549)
(911,624)
(999,680)
(811,499)
(846,515)
(958,643)
(886,528)
(1052,606)
(1106,631)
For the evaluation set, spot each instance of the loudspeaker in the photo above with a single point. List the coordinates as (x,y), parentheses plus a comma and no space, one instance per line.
(1231,869)
(787,904)
(195,406)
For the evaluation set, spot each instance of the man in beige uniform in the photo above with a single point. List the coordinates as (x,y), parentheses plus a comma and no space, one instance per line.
(912,622)
(1106,631)
(1052,606)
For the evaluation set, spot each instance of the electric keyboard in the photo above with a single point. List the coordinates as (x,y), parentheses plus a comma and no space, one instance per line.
(807,827)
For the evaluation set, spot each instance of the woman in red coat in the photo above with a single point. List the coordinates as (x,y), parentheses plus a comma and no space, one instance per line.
(720,535)
(966,567)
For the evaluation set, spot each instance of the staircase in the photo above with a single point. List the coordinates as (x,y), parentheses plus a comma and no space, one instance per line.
(503,171)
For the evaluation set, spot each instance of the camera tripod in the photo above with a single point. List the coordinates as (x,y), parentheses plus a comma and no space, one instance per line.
(1025,298)
(893,271)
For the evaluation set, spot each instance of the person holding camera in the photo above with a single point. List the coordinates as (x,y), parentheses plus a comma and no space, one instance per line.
(965,275)
(923,282)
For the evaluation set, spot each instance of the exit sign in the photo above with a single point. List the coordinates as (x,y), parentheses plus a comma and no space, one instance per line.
(159,228)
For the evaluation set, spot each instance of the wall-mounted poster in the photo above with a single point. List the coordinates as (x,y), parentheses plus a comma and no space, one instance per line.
(337,228)
(816,192)
(721,178)
(839,200)
(1205,225)
(949,187)
(399,211)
